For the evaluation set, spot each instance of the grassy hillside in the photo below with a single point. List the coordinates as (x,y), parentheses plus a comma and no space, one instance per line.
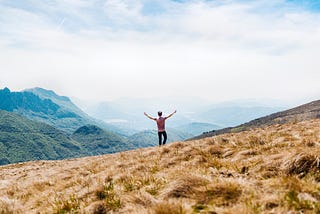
(23,140)
(273,169)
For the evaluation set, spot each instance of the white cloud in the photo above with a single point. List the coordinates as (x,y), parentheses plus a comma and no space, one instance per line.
(217,51)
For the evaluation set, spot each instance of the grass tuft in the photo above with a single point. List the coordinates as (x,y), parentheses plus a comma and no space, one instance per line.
(185,187)
(222,194)
(301,164)
(66,206)
(107,194)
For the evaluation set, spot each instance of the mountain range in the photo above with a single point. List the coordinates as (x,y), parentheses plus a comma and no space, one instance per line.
(46,106)
(39,124)
(194,114)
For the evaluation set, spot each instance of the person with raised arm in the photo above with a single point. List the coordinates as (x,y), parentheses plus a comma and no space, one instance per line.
(161,126)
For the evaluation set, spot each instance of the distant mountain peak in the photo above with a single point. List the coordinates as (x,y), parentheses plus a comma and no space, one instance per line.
(6,90)
(16,101)
(47,94)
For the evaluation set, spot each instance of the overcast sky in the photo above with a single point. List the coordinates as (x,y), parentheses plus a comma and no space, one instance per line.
(107,49)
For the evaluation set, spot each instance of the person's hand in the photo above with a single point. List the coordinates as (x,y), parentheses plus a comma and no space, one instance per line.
(175,111)
(145,114)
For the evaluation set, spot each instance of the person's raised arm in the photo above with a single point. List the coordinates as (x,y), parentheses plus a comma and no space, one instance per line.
(152,118)
(175,111)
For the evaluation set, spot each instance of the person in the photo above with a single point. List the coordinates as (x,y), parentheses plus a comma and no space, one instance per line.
(161,126)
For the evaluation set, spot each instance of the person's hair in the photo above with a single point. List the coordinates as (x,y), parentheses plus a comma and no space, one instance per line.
(159,113)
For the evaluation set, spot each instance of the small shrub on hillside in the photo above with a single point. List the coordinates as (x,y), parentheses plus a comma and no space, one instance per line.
(154,188)
(65,206)
(293,201)
(101,194)
(113,203)
(110,200)
(154,168)
(153,184)
(105,191)
(130,183)
(107,195)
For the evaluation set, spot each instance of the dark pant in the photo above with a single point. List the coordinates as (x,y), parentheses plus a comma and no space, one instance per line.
(164,133)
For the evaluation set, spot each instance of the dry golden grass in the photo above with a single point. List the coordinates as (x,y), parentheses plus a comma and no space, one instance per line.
(274,169)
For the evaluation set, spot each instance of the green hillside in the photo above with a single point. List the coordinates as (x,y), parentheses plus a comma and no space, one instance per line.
(98,141)
(22,140)
(44,110)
